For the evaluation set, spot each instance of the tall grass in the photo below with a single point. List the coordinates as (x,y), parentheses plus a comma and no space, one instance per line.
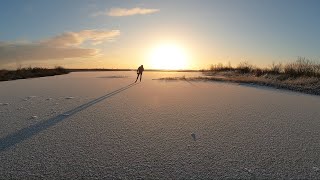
(302,67)
(221,67)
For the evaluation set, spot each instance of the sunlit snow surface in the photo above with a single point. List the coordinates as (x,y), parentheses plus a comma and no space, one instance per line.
(100,125)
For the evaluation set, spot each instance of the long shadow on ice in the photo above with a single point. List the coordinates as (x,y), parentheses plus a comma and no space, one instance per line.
(28,132)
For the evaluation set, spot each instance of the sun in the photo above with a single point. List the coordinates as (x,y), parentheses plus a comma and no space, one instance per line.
(169,57)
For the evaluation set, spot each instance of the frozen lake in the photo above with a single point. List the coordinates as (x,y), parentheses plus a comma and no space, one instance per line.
(100,125)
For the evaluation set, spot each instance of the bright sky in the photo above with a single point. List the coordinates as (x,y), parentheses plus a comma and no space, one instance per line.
(188,34)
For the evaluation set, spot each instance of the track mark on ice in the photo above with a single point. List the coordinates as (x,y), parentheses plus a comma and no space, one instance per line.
(32,130)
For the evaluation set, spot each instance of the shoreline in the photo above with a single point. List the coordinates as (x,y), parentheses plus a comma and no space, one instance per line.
(305,85)
(27,73)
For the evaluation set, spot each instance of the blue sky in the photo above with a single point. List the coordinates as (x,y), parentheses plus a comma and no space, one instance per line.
(212,31)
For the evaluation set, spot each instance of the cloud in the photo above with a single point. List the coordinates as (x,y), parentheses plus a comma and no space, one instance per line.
(126,12)
(65,45)
(77,38)
(37,52)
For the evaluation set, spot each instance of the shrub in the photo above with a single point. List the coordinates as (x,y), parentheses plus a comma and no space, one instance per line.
(221,67)
(61,69)
(258,72)
(302,67)
(275,68)
(244,67)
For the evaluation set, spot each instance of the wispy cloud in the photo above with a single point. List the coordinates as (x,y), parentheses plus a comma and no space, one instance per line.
(77,38)
(65,45)
(126,12)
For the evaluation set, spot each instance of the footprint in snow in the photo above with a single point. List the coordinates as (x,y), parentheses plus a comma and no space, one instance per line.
(4,104)
(70,97)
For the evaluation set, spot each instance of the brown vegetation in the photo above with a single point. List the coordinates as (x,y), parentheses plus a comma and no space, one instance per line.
(301,68)
(24,73)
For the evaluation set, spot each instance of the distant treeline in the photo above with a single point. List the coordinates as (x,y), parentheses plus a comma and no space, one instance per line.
(32,72)
(97,69)
(152,70)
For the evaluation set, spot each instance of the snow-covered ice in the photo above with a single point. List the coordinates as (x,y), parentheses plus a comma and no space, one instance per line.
(114,129)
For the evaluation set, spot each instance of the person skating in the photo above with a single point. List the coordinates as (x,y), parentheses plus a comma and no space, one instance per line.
(139,72)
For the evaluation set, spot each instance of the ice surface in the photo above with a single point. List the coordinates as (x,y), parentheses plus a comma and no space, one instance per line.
(114,129)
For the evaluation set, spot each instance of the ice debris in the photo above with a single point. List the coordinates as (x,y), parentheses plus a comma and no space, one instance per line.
(248,170)
(29,97)
(193,135)
(316,169)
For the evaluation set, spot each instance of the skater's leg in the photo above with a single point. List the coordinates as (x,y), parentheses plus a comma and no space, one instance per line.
(140,77)
(137,78)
